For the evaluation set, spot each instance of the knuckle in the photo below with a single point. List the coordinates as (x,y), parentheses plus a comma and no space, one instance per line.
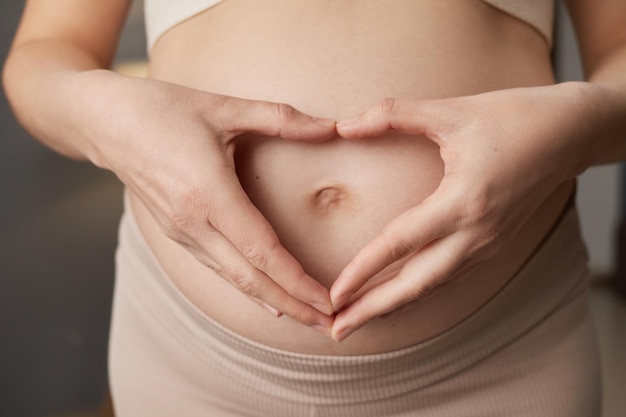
(397,245)
(221,106)
(477,207)
(176,226)
(486,241)
(480,218)
(210,263)
(182,218)
(257,256)
(286,112)
(388,106)
(245,283)
(224,114)
(425,290)
(492,240)
(192,196)
(214,266)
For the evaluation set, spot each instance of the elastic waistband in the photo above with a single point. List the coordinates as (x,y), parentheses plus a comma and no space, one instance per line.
(551,278)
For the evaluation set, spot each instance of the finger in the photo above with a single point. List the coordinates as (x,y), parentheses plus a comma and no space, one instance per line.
(239,116)
(417,117)
(190,226)
(465,269)
(242,224)
(235,268)
(426,270)
(434,218)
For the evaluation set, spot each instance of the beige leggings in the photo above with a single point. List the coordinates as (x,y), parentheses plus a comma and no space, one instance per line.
(530,351)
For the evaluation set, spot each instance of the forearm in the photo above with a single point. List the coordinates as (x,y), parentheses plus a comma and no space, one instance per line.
(40,79)
(605,105)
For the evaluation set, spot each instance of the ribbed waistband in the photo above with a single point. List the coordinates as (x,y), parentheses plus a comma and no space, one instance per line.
(555,275)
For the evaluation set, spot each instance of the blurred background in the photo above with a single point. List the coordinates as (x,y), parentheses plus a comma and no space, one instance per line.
(58,226)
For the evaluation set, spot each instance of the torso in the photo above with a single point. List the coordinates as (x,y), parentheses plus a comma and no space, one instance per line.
(335,59)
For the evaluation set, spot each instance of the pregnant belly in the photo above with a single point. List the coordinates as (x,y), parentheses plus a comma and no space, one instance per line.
(327,200)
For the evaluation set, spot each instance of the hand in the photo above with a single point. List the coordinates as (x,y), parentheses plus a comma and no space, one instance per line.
(174,147)
(504,153)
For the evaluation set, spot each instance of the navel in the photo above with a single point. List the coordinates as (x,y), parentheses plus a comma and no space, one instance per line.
(329,197)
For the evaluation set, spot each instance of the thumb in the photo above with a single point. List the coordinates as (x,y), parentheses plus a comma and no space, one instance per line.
(416,117)
(239,116)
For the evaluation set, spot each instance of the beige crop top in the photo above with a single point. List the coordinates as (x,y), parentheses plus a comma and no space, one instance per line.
(161,15)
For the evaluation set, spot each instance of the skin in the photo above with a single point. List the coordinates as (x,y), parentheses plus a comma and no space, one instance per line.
(482,201)
(487,155)
(564,130)
(56,84)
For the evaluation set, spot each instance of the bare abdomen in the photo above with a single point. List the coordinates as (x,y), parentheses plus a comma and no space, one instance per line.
(327,200)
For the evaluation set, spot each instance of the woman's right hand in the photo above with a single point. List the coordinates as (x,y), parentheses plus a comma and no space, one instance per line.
(174,147)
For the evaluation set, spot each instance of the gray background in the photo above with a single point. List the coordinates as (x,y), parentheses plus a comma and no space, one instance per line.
(58,225)
(58,232)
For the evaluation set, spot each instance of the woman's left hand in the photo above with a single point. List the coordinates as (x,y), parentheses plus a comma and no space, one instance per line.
(504,153)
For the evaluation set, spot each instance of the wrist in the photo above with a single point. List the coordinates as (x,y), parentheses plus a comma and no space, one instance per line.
(583,97)
(96,98)
(588,110)
(603,119)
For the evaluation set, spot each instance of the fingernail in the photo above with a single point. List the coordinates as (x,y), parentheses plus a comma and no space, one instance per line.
(340,301)
(347,122)
(323,308)
(272,310)
(343,334)
(321,329)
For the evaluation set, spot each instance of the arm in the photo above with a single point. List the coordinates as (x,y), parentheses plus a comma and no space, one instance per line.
(55,42)
(601,30)
(172,145)
(505,153)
